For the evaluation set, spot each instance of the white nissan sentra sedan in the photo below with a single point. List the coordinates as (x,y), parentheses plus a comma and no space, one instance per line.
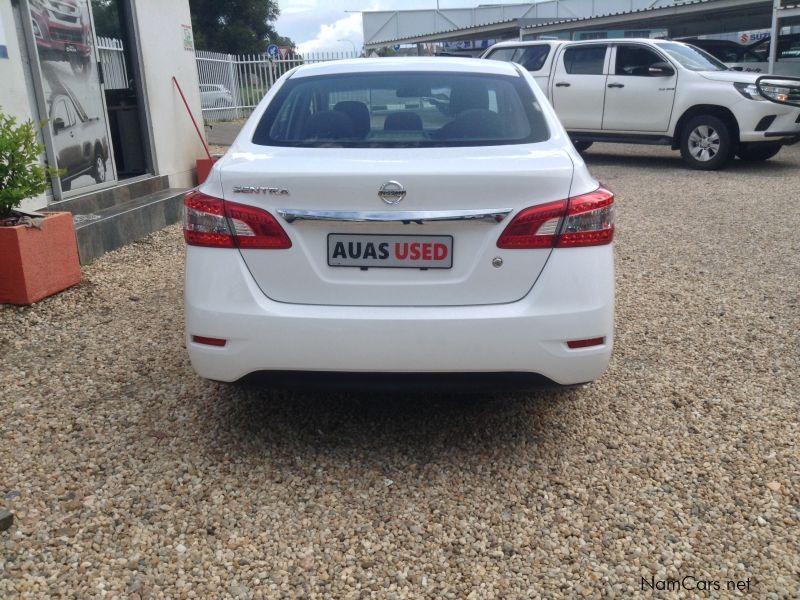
(400,217)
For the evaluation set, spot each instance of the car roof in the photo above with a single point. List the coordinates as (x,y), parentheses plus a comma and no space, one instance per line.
(441,64)
(518,43)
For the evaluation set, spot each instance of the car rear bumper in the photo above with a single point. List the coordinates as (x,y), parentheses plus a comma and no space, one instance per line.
(573,299)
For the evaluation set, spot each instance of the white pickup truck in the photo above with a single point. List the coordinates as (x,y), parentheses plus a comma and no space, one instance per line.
(644,91)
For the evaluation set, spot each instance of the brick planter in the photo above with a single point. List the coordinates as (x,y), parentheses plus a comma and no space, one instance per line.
(36,263)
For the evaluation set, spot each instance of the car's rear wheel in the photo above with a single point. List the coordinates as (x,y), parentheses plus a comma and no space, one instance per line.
(758,152)
(581,145)
(99,168)
(706,143)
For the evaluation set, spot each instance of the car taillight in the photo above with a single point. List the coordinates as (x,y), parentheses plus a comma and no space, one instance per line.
(586,220)
(215,223)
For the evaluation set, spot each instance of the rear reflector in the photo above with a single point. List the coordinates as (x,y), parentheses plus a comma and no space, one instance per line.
(208,341)
(586,220)
(215,223)
(586,343)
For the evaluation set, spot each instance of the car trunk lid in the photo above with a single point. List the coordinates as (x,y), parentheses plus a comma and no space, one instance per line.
(456,204)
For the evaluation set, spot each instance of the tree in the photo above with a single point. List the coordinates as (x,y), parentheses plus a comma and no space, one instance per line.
(106,18)
(236,26)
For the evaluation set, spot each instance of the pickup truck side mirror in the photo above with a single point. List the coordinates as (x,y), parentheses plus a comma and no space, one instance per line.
(661,69)
(58,124)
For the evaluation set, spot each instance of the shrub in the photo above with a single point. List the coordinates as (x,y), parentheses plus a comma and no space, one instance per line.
(21,174)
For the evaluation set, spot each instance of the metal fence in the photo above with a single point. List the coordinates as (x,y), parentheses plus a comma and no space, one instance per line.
(111,53)
(232,85)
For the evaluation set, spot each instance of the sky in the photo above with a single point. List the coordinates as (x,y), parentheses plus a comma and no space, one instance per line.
(318,25)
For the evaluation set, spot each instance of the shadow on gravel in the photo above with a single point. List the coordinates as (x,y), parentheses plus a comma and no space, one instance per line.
(674,161)
(418,426)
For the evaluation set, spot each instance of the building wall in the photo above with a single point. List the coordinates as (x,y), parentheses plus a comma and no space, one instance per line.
(160,32)
(161,44)
(14,89)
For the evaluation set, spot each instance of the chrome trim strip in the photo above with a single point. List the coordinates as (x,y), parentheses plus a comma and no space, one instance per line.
(489,215)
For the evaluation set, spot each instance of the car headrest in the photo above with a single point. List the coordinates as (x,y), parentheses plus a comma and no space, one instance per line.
(329,125)
(468,95)
(473,124)
(402,121)
(358,113)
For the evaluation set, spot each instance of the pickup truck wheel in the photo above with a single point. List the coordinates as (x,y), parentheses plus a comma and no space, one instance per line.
(80,64)
(581,146)
(758,152)
(706,143)
(99,168)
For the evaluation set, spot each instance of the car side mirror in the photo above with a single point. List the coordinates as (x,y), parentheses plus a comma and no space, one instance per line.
(58,125)
(661,69)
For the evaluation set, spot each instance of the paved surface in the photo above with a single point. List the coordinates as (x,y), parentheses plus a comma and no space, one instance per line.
(129,477)
(222,134)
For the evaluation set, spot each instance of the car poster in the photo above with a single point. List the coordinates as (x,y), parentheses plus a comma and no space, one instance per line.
(74,98)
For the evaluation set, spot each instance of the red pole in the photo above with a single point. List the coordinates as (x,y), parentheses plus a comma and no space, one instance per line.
(191,116)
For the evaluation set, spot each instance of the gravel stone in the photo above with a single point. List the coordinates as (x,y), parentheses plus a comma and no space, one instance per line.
(6,519)
(130,477)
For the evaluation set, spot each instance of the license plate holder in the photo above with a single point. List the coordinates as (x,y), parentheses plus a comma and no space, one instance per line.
(390,251)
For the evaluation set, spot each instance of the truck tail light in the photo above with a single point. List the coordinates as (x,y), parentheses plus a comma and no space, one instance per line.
(215,223)
(586,220)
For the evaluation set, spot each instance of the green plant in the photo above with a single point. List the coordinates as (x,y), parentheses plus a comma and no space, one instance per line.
(21,174)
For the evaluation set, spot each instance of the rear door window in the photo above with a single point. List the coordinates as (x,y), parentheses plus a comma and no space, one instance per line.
(585,60)
(402,109)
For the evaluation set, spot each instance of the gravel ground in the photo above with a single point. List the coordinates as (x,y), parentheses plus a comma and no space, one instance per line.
(131,477)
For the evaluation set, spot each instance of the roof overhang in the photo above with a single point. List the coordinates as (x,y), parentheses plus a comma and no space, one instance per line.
(701,17)
(493,30)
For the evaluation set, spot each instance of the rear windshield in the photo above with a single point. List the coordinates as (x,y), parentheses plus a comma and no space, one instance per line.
(530,57)
(401,109)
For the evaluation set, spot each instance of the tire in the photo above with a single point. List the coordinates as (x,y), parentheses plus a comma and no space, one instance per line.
(99,173)
(758,152)
(706,143)
(79,64)
(581,145)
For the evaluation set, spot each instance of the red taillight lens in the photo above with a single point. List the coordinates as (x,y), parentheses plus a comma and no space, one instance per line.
(255,228)
(208,341)
(212,222)
(534,227)
(575,344)
(204,222)
(586,220)
(590,220)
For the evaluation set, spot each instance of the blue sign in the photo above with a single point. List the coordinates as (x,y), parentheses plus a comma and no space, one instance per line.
(396,47)
(273,51)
